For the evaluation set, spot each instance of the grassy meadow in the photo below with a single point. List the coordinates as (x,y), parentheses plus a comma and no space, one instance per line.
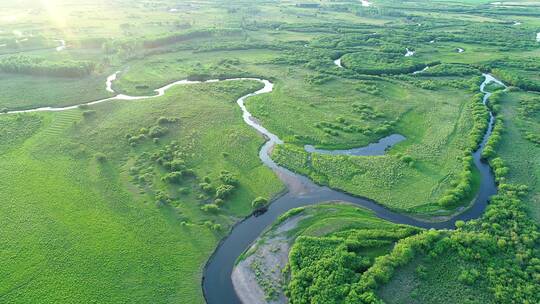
(432,143)
(522,155)
(78,227)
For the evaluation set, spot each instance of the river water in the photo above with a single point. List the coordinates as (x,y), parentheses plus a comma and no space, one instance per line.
(373,149)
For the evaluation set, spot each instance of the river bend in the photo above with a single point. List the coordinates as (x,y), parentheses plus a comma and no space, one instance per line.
(217,283)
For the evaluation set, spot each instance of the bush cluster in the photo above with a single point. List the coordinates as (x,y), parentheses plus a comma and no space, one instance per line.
(326,269)
(154,132)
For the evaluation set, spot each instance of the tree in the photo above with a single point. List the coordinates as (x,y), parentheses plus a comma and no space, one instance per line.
(223,191)
(228,178)
(259,203)
(211,208)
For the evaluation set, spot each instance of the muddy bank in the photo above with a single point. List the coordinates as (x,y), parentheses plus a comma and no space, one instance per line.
(258,278)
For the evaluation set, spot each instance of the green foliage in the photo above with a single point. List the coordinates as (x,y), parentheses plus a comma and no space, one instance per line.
(164,40)
(468,276)
(259,202)
(15,129)
(89,113)
(334,270)
(211,208)
(157,131)
(463,184)
(503,243)
(49,157)
(516,80)
(167,120)
(335,245)
(421,271)
(379,63)
(448,69)
(206,187)
(224,191)
(228,178)
(22,64)
(317,79)
(174,177)
(55,174)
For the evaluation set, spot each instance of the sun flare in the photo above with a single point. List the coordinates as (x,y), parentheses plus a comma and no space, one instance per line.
(55,12)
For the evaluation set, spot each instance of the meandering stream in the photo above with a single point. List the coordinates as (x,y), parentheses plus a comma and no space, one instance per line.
(217,284)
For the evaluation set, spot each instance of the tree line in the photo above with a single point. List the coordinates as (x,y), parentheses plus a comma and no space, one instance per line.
(21,64)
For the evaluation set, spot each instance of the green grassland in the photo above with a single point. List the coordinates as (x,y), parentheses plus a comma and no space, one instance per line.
(78,228)
(125,201)
(297,105)
(17,95)
(522,156)
(435,128)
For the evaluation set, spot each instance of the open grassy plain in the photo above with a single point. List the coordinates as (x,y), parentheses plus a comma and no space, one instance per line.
(78,227)
(519,145)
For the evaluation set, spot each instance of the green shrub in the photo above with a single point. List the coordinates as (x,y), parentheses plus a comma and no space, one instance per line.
(468,276)
(211,208)
(206,187)
(157,131)
(224,191)
(165,120)
(89,113)
(421,271)
(259,203)
(219,202)
(228,178)
(174,177)
(162,199)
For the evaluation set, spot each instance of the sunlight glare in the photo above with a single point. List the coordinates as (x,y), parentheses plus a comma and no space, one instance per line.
(56,14)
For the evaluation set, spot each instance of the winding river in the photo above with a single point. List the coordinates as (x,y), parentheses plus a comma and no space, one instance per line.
(217,284)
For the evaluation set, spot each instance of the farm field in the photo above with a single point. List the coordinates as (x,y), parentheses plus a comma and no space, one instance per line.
(144,145)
